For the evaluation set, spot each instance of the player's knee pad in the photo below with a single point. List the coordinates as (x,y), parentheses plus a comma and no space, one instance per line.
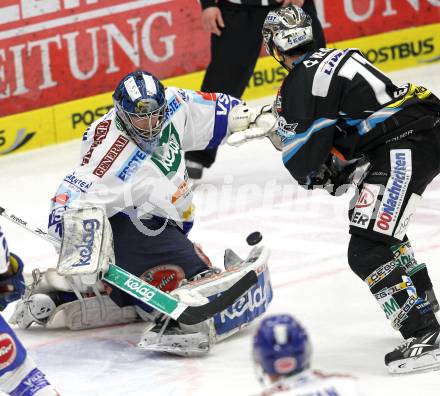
(365,255)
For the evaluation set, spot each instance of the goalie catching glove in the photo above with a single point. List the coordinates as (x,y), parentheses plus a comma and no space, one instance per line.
(249,123)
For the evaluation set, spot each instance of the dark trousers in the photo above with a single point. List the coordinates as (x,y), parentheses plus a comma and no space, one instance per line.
(235,53)
(400,172)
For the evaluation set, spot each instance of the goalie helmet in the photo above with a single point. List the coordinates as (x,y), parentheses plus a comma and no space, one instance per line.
(140,104)
(285,29)
(280,347)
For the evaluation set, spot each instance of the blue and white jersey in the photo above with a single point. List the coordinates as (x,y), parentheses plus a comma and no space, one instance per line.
(19,375)
(115,174)
(314,383)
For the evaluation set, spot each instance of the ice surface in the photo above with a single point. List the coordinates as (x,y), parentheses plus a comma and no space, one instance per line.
(246,190)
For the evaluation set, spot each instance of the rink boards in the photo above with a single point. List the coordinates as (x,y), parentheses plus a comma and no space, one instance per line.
(66,121)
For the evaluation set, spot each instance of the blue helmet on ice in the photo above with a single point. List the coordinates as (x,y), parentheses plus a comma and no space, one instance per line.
(281,346)
(140,103)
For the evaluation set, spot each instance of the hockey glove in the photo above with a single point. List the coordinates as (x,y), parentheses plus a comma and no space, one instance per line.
(12,283)
(248,123)
(335,176)
(321,178)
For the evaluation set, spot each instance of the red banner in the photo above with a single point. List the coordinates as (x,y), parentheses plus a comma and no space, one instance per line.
(52,51)
(346,19)
(68,53)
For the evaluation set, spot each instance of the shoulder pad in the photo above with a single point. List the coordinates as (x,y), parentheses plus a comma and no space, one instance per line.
(325,71)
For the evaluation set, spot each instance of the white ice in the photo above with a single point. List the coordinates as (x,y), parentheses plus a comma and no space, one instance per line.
(248,189)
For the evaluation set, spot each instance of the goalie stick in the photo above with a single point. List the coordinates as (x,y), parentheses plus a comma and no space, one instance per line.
(150,295)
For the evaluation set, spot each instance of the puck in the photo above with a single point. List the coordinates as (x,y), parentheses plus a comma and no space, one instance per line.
(254,238)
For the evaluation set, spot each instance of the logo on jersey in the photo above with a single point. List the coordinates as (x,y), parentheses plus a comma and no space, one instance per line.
(316,57)
(65,196)
(111,156)
(32,383)
(278,105)
(78,183)
(365,205)
(324,73)
(8,350)
(395,190)
(101,132)
(56,220)
(403,224)
(183,94)
(286,131)
(131,165)
(172,106)
(168,156)
(182,191)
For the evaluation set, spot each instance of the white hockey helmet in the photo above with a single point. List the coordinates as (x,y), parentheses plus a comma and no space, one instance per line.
(285,29)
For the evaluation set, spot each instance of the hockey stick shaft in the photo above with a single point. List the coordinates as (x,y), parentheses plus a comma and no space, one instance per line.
(150,295)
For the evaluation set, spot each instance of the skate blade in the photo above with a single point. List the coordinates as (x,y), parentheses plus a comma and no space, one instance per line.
(175,349)
(429,361)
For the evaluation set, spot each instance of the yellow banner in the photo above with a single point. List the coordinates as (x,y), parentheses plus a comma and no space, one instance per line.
(399,49)
(73,118)
(67,121)
(27,131)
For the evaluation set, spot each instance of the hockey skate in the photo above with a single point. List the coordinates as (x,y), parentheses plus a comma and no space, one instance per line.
(169,338)
(417,354)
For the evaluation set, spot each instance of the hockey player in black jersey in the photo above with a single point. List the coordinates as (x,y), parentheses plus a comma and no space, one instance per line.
(334,111)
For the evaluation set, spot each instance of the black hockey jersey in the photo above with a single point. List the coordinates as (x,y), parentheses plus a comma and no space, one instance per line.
(336,101)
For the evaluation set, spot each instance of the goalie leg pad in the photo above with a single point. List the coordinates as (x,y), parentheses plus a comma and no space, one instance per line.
(99,312)
(87,245)
(245,310)
(50,281)
(87,313)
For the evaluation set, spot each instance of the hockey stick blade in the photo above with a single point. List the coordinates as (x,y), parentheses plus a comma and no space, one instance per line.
(171,306)
(193,315)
